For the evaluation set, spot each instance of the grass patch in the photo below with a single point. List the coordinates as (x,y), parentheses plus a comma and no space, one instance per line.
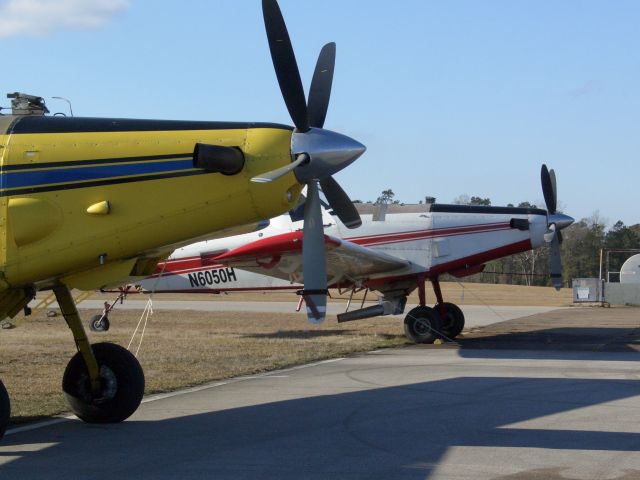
(180,349)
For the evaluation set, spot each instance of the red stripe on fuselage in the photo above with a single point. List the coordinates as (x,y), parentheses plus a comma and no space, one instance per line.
(424,234)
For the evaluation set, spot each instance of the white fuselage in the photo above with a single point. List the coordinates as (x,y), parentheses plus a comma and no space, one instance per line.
(433,242)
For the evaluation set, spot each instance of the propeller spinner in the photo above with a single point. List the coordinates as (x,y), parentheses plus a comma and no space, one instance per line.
(555,222)
(318,153)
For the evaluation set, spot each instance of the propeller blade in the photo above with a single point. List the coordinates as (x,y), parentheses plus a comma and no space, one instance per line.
(340,203)
(554,188)
(284,62)
(548,189)
(559,233)
(269,177)
(555,264)
(314,257)
(320,91)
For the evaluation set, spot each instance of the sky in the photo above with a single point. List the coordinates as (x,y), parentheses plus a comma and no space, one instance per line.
(451,98)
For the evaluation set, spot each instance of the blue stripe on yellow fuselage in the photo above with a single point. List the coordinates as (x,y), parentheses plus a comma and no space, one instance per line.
(50,178)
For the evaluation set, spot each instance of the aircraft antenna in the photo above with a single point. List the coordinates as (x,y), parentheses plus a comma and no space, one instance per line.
(66,100)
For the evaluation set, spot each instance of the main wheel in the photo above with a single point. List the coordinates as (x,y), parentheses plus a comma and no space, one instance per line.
(5,409)
(121,380)
(99,323)
(453,321)
(422,325)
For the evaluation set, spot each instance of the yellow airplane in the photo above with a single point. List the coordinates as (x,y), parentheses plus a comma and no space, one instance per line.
(90,202)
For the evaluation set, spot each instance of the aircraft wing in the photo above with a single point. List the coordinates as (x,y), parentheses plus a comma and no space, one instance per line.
(281,256)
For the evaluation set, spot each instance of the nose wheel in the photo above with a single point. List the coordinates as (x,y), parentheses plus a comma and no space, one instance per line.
(99,323)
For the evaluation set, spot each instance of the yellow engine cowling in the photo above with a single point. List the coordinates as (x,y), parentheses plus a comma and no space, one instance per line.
(93,235)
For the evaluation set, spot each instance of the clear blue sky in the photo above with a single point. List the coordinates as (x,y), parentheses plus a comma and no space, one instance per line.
(451,97)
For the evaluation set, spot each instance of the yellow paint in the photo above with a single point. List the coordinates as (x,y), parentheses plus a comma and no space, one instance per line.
(4,201)
(101,275)
(146,217)
(32,219)
(100,208)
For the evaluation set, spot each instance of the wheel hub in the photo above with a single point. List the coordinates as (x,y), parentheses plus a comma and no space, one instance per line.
(422,326)
(108,386)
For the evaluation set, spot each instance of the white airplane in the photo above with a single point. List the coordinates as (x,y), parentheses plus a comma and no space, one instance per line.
(392,253)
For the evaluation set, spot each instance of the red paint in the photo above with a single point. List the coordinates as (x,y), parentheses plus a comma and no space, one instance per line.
(465,272)
(481,258)
(435,283)
(184,267)
(422,297)
(271,246)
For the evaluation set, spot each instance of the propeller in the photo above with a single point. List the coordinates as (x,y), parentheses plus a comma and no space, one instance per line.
(317,153)
(556,221)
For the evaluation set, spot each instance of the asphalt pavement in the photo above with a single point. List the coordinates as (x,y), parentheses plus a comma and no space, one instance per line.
(482,409)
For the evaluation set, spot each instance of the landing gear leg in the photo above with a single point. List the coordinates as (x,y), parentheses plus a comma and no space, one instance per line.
(5,409)
(452,316)
(103,383)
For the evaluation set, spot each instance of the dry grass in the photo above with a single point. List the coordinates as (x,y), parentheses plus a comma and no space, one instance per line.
(510,295)
(188,348)
(179,349)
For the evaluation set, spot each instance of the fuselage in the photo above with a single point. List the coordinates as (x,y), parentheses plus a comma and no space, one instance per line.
(91,201)
(434,239)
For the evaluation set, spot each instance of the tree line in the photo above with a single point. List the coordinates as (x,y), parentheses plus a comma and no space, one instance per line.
(580,250)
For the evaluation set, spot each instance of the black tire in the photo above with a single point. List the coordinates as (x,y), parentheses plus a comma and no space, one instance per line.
(453,321)
(5,409)
(422,325)
(99,323)
(121,378)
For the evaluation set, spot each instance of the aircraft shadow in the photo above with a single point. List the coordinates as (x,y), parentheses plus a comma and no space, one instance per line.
(588,343)
(394,432)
